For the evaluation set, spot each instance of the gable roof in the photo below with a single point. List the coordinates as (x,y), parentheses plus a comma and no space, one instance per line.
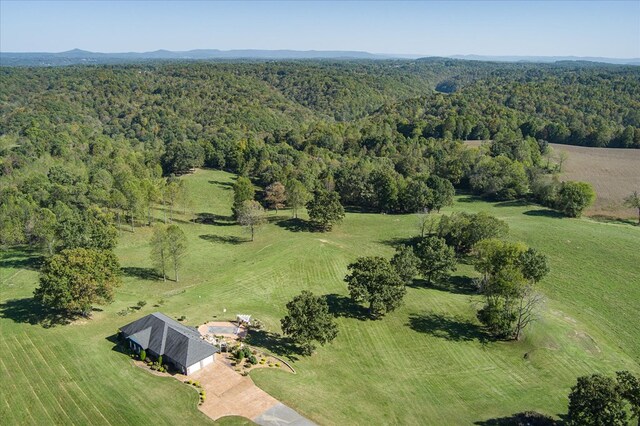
(166,336)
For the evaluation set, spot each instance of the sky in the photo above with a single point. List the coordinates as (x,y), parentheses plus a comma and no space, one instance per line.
(529,28)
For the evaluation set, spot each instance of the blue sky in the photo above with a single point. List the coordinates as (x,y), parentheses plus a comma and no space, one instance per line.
(592,28)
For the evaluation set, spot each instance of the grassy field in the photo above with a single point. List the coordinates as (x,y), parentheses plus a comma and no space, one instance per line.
(428,362)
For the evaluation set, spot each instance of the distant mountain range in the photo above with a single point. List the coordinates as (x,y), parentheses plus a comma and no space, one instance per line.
(77,56)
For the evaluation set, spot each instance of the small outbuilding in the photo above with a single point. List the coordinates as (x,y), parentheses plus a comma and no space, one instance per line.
(179,345)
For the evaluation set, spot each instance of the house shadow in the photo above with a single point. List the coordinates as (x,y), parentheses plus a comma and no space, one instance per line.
(448,328)
(526,418)
(343,306)
(275,343)
(118,344)
(223,239)
(30,311)
(457,284)
(544,213)
(214,219)
(296,225)
(141,273)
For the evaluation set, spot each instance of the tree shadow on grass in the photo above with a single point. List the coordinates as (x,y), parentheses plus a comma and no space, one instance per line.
(224,239)
(612,219)
(457,284)
(22,260)
(469,199)
(224,185)
(544,213)
(30,311)
(142,273)
(400,241)
(449,328)
(275,343)
(526,418)
(513,203)
(343,306)
(214,219)
(296,225)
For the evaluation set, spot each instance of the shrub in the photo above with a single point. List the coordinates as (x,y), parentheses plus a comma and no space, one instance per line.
(160,360)
(253,360)
(143,355)
(141,304)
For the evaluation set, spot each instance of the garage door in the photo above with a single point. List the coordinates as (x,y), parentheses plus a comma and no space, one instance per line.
(208,360)
(193,368)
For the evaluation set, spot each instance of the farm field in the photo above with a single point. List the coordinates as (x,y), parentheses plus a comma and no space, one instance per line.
(427,362)
(614,174)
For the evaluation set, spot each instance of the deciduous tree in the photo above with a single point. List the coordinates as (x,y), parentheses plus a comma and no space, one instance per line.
(251,215)
(375,281)
(176,246)
(437,259)
(325,209)
(308,321)
(75,279)
(275,196)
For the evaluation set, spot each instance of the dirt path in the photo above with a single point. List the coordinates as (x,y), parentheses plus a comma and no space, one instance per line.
(230,394)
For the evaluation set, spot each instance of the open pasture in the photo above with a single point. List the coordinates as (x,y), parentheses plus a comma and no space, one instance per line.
(428,362)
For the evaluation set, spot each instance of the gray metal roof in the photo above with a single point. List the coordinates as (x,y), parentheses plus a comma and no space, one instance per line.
(168,337)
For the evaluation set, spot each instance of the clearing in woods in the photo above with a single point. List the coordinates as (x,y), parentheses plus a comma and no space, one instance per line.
(427,362)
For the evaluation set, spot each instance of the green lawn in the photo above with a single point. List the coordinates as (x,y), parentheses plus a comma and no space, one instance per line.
(425,363)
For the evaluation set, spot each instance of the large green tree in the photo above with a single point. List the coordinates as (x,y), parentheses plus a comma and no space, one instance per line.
(596,401)
(75,279)
(436,259)
(574,197)
(374,281)
(297,196)
(243,190)
(308,321)
(325,210)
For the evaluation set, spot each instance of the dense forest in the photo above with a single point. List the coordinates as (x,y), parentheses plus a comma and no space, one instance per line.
(85,145)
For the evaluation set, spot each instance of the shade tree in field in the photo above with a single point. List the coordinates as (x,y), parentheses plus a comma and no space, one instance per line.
(601,400)
(177,247)
(243,190)
(437,260)
(633,201)
(325,210)
(509,271)
(160,250)
(275,196)
(463,230)
(574,197)
(308,321)
(75,279)
(297,196)
(406,263)
(168,246)
(375,282)
(174,192)
(251,215)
